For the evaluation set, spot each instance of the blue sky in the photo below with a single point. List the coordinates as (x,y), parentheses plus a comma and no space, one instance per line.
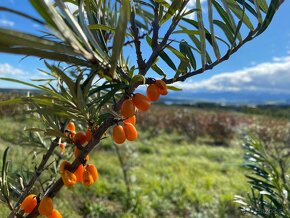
(261,65)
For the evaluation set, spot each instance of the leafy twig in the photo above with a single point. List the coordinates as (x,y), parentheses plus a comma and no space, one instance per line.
(38,172)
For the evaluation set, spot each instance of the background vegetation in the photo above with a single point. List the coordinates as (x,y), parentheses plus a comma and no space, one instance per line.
(186,163)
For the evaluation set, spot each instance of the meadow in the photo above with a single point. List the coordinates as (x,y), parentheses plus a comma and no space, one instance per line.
(186,163)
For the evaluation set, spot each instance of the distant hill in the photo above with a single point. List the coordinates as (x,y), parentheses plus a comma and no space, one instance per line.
(226,98)
(19,91)
(191,98)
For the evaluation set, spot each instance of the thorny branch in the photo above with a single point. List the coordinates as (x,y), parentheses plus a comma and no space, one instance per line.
(159,47)
(38,171)
(135,31)
(249,37)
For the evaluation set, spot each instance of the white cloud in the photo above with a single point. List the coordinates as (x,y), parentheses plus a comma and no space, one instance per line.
(192,4)
(72,7)
(268,77)
(5,22)
(8,70)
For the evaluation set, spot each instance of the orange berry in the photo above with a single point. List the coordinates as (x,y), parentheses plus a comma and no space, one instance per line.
(55,214)
(118,134)
(152,92)
(77,152)
(64,166)
(80,138)
(71,127)
(79,173)
(130,131)
(162,88)
(128,108)
(62,147)
(141,102)
(88,179)
(89,134)
(131,120)
(93,171)
(68,178)
(29,203)
(45,206)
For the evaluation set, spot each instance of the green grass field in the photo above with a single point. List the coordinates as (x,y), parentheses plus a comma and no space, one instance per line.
(185,163)
(169,177)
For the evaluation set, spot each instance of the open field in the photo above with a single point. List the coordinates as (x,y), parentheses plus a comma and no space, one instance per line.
(169,177)
(186,163)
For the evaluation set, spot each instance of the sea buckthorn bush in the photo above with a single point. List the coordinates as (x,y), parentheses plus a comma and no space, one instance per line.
(93,85)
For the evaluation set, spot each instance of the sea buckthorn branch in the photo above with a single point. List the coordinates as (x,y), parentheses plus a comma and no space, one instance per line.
(182,78)
(159,47)
(155,25)
(135,31)
(97,136)
(38,171)
(129,42)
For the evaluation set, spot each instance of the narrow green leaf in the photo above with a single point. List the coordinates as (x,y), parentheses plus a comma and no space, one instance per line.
(223,15)
(259,15)
(101,27)
(107,97)
(56,133)
(120,33)
(274,5)
(81,103)
(184,62)
(173,88)
(27,40)
(186,50)
(11,101)
(197,43)
(74,26)
(232,19)
(248,7)
(85,33)
(195,24)
(211,26)
(137,79)
(167,60)
(38,5)
(201,34)
(262,4)
(238,27)
(44,54)
(226,29)
(174,6)
(240,13)
(22,15)
(158,70)
(68,81)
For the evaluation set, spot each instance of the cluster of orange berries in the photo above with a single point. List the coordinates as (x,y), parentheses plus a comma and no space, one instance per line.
(80,138)
(45,207)
(86,175)
(128,110)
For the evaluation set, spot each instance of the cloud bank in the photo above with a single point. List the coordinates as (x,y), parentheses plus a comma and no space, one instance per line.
(7,70)
(269,77)
(5,22)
